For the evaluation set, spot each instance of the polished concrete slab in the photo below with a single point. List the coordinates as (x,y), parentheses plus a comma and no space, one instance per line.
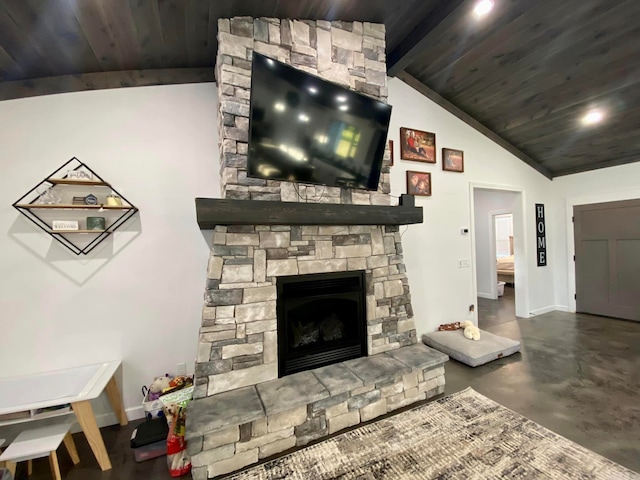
(578,375)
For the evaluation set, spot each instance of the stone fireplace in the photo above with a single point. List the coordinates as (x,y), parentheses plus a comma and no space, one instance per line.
(277,366)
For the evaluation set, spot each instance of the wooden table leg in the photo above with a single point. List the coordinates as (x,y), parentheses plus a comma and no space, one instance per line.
(87,421)
(116,401)
(71,448)
(11,466)
(29,467)
(55,468)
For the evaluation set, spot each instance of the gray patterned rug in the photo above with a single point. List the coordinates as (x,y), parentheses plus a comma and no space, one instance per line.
(460,437)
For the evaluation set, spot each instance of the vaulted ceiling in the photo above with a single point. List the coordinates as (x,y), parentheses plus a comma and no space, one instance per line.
(524,75)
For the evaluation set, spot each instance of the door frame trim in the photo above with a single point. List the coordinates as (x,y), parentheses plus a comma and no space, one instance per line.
(570,202)
(520,247)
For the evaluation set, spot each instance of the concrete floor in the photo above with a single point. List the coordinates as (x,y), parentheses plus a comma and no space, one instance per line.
(578,375)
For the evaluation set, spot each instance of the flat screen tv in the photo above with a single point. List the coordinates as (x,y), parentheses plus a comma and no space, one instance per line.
(305,129)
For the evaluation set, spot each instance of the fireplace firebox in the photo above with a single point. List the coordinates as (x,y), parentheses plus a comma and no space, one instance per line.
(321,320)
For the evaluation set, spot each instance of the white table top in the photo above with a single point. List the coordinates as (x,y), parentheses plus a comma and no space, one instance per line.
(47,389)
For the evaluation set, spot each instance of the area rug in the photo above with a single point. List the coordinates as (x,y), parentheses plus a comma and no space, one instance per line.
(460,437)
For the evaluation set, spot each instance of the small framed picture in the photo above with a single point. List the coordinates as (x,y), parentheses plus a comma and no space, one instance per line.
(391,153)
(452,160)
(419,183)
(417,145)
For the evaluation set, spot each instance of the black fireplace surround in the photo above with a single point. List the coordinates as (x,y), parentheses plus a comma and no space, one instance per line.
(321,320)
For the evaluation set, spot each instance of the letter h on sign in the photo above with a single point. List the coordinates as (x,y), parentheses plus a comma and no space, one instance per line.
(541,236)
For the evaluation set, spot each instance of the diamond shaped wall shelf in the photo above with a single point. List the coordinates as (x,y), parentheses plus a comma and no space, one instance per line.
(76,207)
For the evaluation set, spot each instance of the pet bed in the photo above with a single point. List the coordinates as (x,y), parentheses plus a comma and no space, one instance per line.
(473,353)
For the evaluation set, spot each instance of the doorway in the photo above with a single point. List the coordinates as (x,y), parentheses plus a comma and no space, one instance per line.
(500,254)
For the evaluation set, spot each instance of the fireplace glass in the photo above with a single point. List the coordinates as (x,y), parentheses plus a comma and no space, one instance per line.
(321,320)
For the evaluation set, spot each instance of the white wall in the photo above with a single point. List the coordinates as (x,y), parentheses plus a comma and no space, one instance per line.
(597,186)
(441,292)
(139,297)
(486,204)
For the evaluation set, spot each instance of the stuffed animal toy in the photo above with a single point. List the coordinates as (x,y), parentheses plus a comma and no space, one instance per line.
(470,330)
(158,385)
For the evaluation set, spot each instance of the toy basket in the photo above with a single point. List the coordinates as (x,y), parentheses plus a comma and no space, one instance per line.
(152,408)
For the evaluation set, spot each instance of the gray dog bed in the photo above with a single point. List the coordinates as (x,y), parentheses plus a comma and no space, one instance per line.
(473,353)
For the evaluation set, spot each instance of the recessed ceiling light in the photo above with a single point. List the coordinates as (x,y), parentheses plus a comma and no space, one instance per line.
(592,117)
(482,8)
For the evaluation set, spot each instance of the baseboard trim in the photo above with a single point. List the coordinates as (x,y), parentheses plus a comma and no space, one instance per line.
(488,296)
(108,419)
(549,308)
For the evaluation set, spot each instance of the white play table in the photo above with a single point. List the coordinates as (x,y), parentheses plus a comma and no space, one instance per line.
(76,386)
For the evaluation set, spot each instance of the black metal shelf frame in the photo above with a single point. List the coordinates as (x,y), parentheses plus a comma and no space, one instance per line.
(59,236)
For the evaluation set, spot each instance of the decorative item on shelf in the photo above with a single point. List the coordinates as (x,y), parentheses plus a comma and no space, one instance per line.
(48,196)
(91,199)
(79,175)
(78,201)
(391,153)
(417,145)
(96,223)
(452,160)
(64,225)
(114,200)
(419,183)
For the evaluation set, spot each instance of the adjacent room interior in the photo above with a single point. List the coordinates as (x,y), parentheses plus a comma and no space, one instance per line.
(270,214)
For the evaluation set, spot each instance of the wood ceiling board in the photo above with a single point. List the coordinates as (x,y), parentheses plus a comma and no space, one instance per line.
(172,20)
(606,90)
(622,104)
(67,37)
(526,64)
(603,59)
(146,18)
(35,23)
(473,36)
(91,20)
(17,42)
(122,29)
(9,68)
(444,103)
(197,33)
(441,18)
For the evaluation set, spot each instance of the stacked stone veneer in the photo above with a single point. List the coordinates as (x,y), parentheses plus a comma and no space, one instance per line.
(241,411)
(351,54)
(238,339)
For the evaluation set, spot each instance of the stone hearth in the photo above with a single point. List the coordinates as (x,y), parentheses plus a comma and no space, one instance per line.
(242,411)
(240,427)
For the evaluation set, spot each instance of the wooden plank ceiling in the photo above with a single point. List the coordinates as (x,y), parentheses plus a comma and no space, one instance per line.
(524,75)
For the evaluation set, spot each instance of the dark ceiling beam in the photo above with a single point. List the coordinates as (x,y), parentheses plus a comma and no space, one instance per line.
(404,54)
(103,80)
(466,118)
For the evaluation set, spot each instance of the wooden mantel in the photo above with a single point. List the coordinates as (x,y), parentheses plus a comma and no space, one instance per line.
(214,211)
